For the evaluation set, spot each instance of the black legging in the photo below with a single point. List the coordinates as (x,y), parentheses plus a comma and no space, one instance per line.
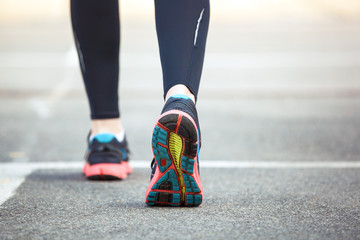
(181,26)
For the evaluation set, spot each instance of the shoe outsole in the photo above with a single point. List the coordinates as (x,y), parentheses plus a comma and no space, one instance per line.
(107,171)
(176,180)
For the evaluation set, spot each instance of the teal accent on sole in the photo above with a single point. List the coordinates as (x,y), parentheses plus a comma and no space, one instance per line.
(169,177)
(104,137)
(160,198)
(190,184)
(187,164)
(159,135)
(161,153)
(193,200)
(176,198)
(151,196)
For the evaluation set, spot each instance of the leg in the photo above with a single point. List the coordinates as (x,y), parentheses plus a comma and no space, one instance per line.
(179,89)
(97,36)
(96,28)
(182,29)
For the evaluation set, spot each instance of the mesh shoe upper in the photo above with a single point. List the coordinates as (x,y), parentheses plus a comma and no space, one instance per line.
(105,148)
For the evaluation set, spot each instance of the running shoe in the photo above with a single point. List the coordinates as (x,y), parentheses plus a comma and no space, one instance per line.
(175,177)
(107,158)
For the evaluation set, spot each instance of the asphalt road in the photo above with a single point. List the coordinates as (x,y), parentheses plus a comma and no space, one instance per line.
(279,112)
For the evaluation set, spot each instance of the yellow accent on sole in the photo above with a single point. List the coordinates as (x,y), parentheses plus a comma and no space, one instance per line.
(176,147)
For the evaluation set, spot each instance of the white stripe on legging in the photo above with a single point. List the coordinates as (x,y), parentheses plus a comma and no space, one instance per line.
(198,25)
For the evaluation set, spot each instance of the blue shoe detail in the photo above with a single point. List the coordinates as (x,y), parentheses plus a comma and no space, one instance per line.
(104,137)
(180,96)
(152,196)
(189,199)
(193,200)
(170,177)
(187,164)
(176,198)
(124,153)
(159,135)
(190,184)
(171,198)
(161,153)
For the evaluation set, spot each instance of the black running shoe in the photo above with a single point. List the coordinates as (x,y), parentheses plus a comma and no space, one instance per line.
(107,158)
(175,177)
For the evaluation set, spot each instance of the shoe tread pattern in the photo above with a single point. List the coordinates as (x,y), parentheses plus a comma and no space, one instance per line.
(170,180)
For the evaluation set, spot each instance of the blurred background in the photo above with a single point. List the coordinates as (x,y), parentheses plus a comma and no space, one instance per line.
(280,81)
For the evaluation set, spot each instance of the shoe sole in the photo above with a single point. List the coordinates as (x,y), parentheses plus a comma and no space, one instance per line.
(107,171)
(176,180)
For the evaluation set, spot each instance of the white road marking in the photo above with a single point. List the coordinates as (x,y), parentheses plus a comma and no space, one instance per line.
(10,179)
(13,174)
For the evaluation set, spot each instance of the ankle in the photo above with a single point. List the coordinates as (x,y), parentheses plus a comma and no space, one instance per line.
(179,89)
(112,125)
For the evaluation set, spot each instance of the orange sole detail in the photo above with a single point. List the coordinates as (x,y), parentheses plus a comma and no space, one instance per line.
(107,171)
